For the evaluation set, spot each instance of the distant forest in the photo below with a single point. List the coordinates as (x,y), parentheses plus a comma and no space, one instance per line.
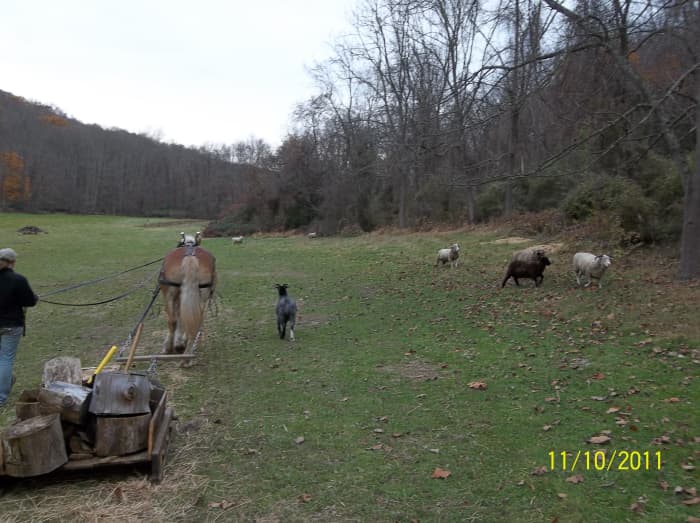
(427,112)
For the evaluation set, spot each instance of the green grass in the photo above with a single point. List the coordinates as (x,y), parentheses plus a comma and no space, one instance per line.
(377,382)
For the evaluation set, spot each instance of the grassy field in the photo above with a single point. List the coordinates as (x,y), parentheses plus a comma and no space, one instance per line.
(384,387)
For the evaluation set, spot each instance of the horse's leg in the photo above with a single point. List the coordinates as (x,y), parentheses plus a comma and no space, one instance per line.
(172,320)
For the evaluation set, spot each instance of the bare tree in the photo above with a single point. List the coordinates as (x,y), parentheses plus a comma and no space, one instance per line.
(616,35)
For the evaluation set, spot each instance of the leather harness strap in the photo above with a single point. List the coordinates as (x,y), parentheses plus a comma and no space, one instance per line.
(163,281)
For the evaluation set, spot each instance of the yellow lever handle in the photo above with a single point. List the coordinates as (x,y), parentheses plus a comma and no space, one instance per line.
(104,362)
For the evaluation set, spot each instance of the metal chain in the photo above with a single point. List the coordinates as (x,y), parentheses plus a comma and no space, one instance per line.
(151,372)
(196,340)
(125,345)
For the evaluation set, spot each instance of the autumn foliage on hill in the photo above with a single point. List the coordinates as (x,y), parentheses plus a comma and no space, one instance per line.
(15,186)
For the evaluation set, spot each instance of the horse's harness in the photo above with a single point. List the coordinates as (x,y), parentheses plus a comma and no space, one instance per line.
(189,252)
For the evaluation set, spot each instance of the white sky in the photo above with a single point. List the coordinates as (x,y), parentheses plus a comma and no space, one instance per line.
(197,71)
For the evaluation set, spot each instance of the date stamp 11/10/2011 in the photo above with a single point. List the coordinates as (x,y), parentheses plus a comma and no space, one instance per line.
(600,460)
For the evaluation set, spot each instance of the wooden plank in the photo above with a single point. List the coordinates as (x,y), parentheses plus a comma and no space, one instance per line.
(132,350)
(156,421)
(149,357)
(82,464)
(160,447)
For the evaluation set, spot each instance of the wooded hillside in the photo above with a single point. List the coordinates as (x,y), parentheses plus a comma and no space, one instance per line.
(50,162)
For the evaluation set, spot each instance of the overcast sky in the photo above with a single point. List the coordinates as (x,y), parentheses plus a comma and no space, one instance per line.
(205,71)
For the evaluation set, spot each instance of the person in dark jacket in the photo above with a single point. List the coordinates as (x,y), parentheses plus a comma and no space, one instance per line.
(15,294)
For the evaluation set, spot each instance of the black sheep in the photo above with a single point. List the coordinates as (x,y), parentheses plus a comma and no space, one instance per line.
(527,268)
(286,310)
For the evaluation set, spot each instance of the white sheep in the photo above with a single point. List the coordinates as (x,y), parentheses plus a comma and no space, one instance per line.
(449,255)
(592,266)
(237,239)
(312,235)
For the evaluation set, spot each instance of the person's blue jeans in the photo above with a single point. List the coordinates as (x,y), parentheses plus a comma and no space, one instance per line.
(9,341)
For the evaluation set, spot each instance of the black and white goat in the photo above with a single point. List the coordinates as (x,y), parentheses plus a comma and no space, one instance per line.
(286,310)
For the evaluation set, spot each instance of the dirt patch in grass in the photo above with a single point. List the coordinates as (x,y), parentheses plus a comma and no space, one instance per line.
(172,223)
(415,370)
(549,248)
(314,320)
(511,240)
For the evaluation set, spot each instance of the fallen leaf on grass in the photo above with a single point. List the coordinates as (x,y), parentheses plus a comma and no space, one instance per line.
(539,471)
(612,410)
(664,485)
(692,501)
(599,440)
(561,495)
(598,376)
(221,504)
(692,519)
(547,428)
(305,498)
(672,400)
(577,478)
(118,495)
(477,385)
(663,440)
(299,440)
(687,466)
(439,473)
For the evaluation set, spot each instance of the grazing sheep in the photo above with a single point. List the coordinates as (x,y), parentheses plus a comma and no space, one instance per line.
(286,310)
(523,266)
(449,255)
(312,235)
(591,266)
(528,254)
(237,239)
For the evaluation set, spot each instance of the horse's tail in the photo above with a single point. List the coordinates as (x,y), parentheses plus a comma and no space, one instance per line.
(191,310)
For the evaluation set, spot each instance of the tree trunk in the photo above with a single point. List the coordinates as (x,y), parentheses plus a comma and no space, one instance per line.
(690,236)
(471,205)
(402,202)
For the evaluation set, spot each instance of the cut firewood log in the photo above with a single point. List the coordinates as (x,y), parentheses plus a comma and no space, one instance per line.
(65,398)
(120,393)
(34,446)
(117,436)
(27,405)
(64,369)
